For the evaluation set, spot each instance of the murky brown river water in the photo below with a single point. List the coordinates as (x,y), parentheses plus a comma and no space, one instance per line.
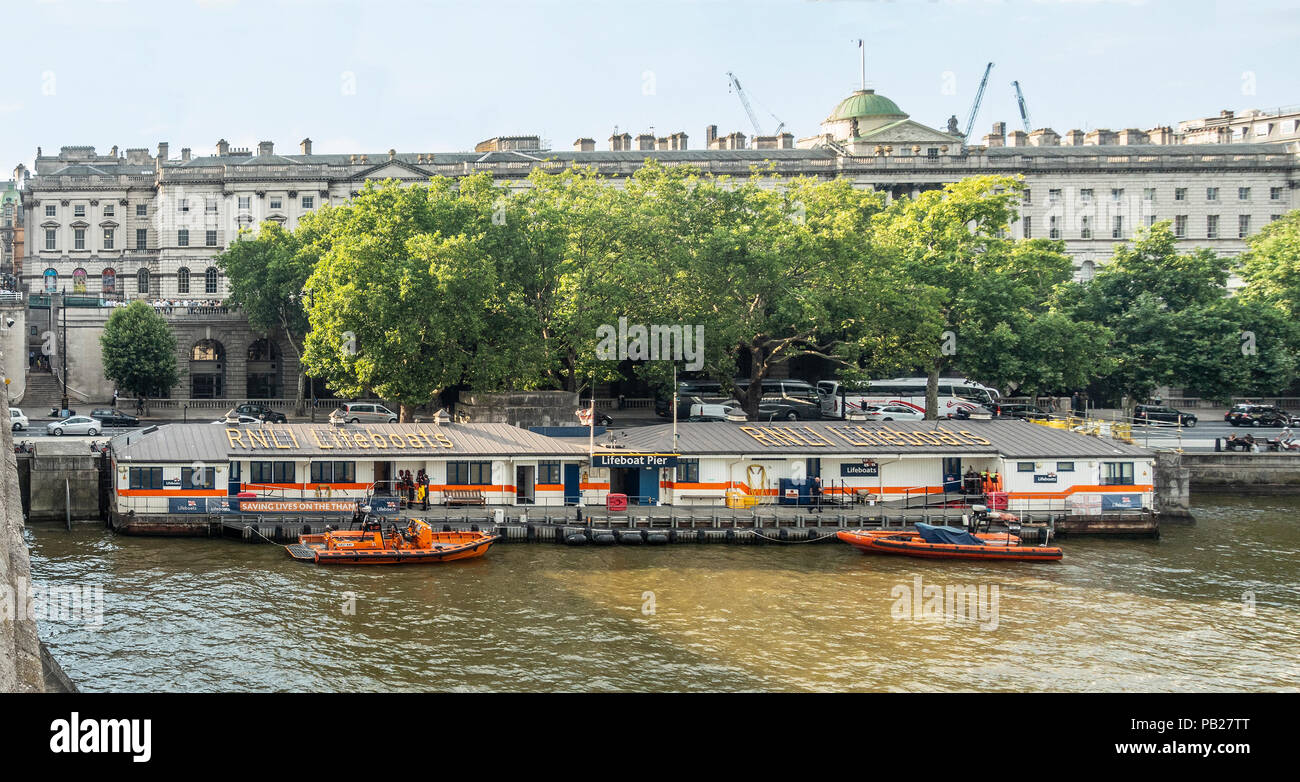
(1115,615)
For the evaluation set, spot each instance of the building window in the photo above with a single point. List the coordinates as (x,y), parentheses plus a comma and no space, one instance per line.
(275,203)
(1024,466)
(210,280)
(1274,218)
(78,280)
(1151,220)
(333,472)
(145,477)
(1029,227)
(1085,195)
(308,202)
(1028,197)
(141,238)
(1243,226)
(1180,194)
(108,281)
(245,202)
(183,237)
(1053,195)
(1117,229)
(79,210)
(142,280)
(1117,474)
(183,205)
(200,478)
(109,210)
(548,473)
(1065,466)
(1085,227)
(50,241)
(108,238)
(469,473)
(50,210)
(1148,194)
(1180,226)
(932,153)
(1211,194)
(51,281)
(78,238)
(273,472)
(1087,270)
(1243,194)
(210,239)
(1117,194)
(141,210)
(210,206)
(688,470)
(1053,227)
(182,280)
(1275,194)
(1212,227)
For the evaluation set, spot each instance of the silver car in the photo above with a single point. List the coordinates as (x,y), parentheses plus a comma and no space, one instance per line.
(365,413)
(77,424)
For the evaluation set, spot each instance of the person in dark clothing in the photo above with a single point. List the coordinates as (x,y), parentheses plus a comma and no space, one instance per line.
(816,494)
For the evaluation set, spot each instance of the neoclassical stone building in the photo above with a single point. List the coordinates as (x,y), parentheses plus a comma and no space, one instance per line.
(131,224)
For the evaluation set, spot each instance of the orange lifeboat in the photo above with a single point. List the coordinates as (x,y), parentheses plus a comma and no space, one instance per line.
(393,543)
(948,544)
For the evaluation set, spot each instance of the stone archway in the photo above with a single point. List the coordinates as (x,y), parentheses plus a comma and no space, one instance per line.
(207,369)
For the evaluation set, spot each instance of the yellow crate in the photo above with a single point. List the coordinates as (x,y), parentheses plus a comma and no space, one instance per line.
(737,499)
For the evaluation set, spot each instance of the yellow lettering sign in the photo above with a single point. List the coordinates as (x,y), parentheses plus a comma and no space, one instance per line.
(976,438)
(275,439)
(257,436)
(444,439)
(235,437)
(379,440)
(757,434)
(315,435)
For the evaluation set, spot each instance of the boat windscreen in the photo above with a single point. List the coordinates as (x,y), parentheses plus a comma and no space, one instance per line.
(953,535)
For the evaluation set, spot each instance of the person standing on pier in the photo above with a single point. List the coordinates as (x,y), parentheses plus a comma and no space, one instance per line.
(816,492)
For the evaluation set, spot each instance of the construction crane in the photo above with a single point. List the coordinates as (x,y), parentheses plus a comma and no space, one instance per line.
(1020,98)
(753,118)
(979,97)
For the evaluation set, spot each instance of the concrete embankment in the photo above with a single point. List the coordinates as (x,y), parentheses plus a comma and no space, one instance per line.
(1251,473)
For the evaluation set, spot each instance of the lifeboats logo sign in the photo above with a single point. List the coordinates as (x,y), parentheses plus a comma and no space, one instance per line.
(330,439)
(920,602)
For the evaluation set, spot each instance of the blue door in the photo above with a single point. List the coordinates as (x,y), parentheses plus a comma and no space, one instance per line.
(571,489)
(952,473)
(649,485)
(232,482)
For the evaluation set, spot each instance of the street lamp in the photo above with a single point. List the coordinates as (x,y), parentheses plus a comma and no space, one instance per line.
(63,315)
(311,302)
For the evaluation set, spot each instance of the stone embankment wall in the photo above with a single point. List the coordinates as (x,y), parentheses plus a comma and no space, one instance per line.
(20,646)
(1253,473)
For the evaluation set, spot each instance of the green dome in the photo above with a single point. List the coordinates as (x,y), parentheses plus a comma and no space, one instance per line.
(866,103)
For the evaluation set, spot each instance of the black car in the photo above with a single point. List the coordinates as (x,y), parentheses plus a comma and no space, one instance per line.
(114,417)
(1018,410)
(261,412)
(1257,415)
(1161,414)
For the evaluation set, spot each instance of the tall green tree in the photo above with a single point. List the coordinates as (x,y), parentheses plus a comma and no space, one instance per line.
(1271,267)
(267,274)
(139,351)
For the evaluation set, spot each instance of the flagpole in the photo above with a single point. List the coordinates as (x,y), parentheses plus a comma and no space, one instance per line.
(862,51)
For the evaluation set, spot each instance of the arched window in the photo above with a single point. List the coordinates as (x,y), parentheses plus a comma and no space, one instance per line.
(210,280)
(142,280)
(78,280)
(182,280)
(51,281)
(108,281)
(1086,271)
(207,369)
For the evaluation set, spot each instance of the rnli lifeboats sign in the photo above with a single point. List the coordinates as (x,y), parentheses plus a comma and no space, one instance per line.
(859,436)
(331,439)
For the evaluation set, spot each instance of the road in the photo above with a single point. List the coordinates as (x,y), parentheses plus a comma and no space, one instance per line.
(1198,438)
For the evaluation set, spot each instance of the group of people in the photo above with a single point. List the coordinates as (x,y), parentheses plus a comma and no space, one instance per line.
(983,482)
(415,488)
(1285,442)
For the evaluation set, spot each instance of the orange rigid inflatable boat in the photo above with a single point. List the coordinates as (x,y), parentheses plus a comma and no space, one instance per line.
(928,544)
(377,543)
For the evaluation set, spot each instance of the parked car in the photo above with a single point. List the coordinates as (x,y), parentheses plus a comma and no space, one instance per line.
(891,413)
(1162,414)
(1257,415)
(366,413)
(77,424)
(261,412)
(113,417)
(1020,410)
(602,419)
(243,419)
(17,421)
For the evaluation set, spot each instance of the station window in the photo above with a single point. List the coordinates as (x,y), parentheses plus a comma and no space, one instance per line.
(200,478)
(272,472)
(1024,466)
(1117,474)
(1065,466)
(688,470)
(548,472)
(469,473)
(333,472)
(145,477)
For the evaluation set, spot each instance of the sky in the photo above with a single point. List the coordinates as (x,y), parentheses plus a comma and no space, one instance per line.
(433,76)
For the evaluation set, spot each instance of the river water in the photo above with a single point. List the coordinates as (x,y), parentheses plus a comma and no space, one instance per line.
(1211,606)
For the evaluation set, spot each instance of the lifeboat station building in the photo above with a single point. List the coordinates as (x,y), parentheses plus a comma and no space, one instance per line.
(211,469)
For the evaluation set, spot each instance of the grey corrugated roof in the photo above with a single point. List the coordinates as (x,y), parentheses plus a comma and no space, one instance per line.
(209,442)
(1010,439)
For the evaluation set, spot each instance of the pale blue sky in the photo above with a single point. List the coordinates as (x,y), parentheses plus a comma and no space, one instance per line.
(432,76)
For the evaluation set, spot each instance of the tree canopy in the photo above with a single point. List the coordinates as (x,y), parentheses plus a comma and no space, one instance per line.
(139,350)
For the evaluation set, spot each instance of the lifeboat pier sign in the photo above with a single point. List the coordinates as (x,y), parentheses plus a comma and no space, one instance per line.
(634,460)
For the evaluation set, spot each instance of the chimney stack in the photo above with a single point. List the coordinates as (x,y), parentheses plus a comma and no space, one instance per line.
(223,147)
(710,135)
(265,148)
(162,151)
(584,145)
(305,146)
(185,154)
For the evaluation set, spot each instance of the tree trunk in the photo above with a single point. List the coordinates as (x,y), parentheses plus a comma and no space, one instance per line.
(404,413)
(754,394)
(932,391)
(299,405)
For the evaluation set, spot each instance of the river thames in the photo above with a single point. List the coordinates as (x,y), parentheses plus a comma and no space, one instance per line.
(1211,606)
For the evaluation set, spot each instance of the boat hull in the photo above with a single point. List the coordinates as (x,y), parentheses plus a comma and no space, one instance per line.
(1000,547)
(347,548)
